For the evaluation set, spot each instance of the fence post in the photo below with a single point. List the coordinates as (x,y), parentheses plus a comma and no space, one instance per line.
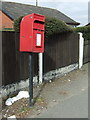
(81,49)
(40,67)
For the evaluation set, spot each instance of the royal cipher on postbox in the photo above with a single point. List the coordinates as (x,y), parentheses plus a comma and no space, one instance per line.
(32,33)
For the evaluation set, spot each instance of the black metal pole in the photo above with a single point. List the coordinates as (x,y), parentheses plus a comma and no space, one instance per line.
(31,79)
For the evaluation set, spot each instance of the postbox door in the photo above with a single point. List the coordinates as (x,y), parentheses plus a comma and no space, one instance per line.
(38,40)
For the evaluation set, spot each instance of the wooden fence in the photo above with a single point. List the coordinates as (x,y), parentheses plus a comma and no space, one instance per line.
(60,50)
(86,51)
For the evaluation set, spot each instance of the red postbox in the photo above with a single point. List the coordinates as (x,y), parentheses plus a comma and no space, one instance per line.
(32,33)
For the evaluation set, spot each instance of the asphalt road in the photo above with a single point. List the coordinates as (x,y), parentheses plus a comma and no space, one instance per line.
(66,97)
(74,107)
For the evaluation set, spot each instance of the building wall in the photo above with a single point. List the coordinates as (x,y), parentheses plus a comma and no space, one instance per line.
(5,21)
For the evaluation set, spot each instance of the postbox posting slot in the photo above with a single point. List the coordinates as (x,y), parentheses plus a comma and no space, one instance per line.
(38,25)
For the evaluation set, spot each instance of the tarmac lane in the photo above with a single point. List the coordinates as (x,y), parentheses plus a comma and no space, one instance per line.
(67,97)
(74,107)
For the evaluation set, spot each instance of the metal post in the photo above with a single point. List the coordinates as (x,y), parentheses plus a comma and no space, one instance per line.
(31,79)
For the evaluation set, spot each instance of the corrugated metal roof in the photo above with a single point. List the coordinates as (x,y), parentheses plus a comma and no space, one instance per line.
(15,10)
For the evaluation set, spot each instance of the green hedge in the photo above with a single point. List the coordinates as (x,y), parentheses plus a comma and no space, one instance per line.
(55,26)
(52,26)
(17,24)
(85,30)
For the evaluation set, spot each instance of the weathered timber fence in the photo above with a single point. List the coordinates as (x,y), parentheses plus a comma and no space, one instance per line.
(60,50)
(86,51)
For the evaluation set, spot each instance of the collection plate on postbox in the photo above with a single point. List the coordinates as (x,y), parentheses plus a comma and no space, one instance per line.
(32,33)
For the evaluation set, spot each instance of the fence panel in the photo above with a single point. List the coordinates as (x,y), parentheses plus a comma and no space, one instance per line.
(86,51)
(60,50)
